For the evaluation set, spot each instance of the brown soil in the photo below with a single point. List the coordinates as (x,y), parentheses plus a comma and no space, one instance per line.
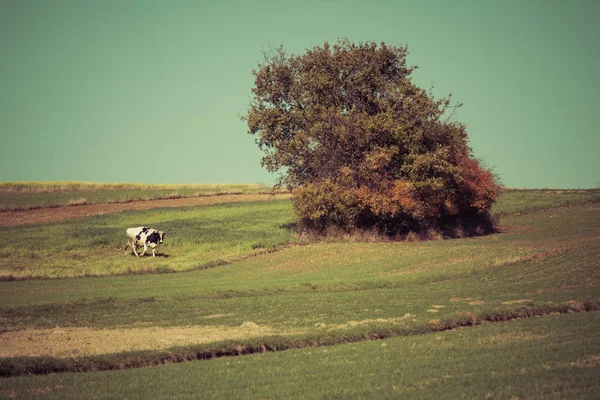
(41,215)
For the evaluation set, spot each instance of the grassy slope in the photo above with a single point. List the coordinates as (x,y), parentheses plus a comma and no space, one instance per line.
(519,201)
(543,258)
(551,357)
(196,237)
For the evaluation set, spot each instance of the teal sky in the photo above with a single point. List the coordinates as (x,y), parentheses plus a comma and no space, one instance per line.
(150,91)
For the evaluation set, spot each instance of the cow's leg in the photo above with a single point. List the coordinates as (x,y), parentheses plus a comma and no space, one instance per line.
(130,246)
(154,251)
(145,249)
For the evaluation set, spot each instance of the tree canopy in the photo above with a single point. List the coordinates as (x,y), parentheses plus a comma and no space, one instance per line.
(361,146)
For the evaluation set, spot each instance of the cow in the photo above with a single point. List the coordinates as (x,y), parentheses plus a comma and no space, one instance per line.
(146,237)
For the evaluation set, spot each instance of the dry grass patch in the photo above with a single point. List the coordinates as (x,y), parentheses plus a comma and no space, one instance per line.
(468,300)
(520,301)
(353,324)
(78,202)
(73,342)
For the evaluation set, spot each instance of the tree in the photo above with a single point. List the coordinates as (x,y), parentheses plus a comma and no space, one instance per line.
(361,146)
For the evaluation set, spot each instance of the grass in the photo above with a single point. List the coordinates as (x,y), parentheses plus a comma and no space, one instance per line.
(196,238)
(335,294)
(29,195)
(550,357)
(209,344)
(526,200)
(544,257)
(74,186)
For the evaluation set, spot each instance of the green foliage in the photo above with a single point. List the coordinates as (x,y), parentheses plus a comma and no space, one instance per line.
(346,121)
(325,203)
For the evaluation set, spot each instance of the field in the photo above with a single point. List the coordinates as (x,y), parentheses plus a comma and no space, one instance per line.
(198,237)
(515,201)
(31,195)
(507,315)
(517,359)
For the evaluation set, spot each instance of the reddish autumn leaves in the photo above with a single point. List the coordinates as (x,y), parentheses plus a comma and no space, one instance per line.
(362,147)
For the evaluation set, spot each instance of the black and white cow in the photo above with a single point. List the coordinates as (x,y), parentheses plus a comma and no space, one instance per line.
(143,237)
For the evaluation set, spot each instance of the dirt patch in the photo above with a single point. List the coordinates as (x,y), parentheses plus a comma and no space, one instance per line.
(72,342)
(41,215)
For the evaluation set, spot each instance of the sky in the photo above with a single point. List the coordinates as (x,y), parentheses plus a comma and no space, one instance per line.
(151,91)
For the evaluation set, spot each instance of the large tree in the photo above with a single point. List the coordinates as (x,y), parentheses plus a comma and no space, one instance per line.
(361,146)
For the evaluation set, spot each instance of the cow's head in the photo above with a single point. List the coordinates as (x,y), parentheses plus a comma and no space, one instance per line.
(161,235)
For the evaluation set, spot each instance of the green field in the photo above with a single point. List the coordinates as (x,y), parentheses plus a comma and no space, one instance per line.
(324,302)
(28,195)
(523,200)
(196,237)
(555,357)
